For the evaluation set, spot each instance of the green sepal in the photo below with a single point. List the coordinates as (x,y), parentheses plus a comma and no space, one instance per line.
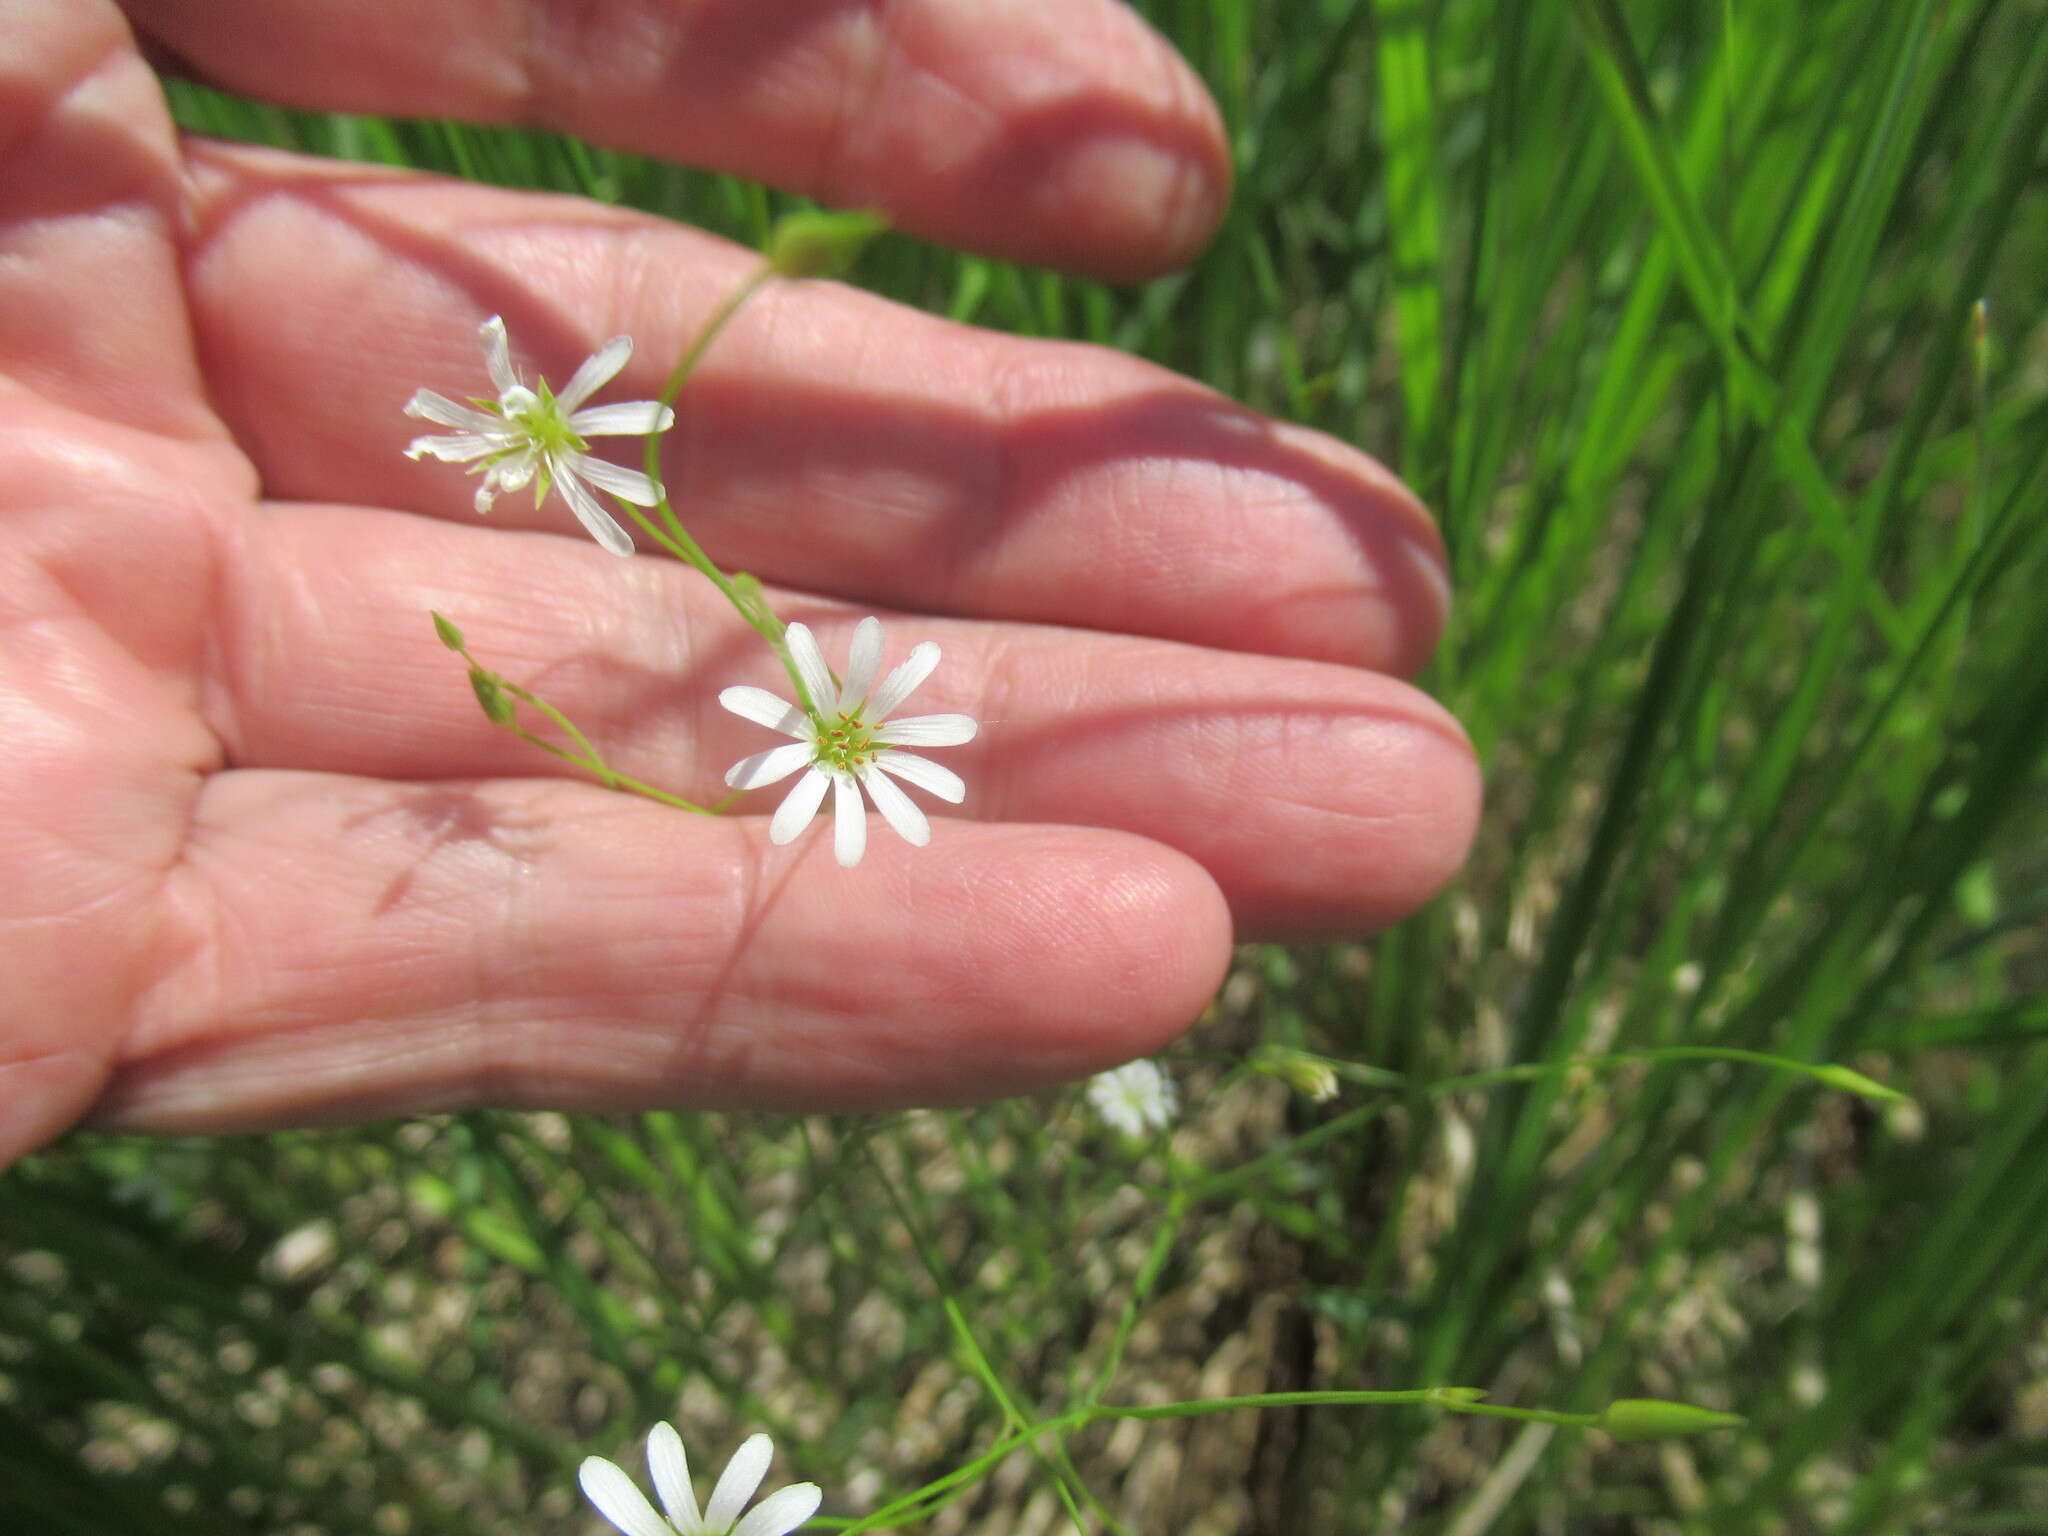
(450,635)
(490,693)
(820,243)
(1651,1418)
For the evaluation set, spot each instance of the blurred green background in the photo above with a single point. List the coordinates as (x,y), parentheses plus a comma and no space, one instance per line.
(1666,307)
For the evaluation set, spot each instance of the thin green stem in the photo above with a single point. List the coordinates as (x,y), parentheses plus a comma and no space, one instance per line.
(1141,1287)
(741,592)
(596,761)
(1832,1075)
(721,317)
(613,779)
(977,1358)
(1451,1399)
(586,757)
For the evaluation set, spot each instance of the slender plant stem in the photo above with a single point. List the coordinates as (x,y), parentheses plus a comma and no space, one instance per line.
(742,593)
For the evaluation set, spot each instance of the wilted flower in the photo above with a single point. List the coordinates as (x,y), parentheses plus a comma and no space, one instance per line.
(534,435)
(620,1500)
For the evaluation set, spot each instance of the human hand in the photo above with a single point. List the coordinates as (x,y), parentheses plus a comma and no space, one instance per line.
(269,864)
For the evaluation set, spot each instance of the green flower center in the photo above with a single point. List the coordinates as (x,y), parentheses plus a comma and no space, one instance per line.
(542,423)
(843,742)
(547,428)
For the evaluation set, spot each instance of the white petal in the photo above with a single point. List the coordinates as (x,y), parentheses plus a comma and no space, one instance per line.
(770,767)
(782,1511)
(512,474)
(597,522)
(764,708)
(1135,1098)
(632,417)
(849,821)
(506,475)
(426,405)
(901,683)
(497,353)
(518,401)
(626,484)
(928,731)
(798,807)
(933,778)
(618,1500)
(736,1484)
(862,662)
(670,1465)
(599,368)
(896,808)
(810,666)
(459,449)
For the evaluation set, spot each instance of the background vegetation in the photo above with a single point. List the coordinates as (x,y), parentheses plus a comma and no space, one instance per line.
(1667,308)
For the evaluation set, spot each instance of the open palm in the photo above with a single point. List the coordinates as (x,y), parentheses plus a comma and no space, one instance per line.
(267,862)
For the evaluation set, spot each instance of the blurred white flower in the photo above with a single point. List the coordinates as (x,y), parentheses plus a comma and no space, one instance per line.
(302,1252)
(1136,1098)
(849,744)
(534,435)
(620,1501)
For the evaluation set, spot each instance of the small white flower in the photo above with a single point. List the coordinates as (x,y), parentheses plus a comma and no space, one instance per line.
(536,435)
(847,746)
(1135,1098)
(620,1501)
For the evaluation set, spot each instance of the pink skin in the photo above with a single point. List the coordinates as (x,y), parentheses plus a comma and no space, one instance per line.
(268,864)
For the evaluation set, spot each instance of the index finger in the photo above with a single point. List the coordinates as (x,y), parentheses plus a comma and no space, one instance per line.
(1064,132)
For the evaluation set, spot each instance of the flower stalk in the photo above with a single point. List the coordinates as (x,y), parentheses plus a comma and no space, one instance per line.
(496,694)
(531,435)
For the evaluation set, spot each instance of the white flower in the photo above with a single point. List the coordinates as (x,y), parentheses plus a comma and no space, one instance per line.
(529,433)
(1135,1098)
(620,1501)
(846,746)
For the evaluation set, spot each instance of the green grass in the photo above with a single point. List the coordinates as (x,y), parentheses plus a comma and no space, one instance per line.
(1667,308)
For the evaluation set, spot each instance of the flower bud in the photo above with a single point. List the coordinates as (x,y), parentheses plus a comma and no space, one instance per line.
(1851,1081)
(450,635)
(498,707)
(1309,1076)
(820,244)
(1651,1418)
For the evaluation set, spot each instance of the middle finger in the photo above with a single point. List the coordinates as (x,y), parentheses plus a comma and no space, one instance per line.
(831,441)
(1320,798)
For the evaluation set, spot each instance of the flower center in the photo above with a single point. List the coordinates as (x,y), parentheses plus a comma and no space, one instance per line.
(538,416)
(843,741)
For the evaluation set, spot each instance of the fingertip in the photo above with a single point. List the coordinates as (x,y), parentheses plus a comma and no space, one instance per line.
(1146,193)
(1410,810)
(1126,204)
(1133,939)
(1374,590)
(41,1096)
(1448,787)
(1067,134)
(1043,953)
